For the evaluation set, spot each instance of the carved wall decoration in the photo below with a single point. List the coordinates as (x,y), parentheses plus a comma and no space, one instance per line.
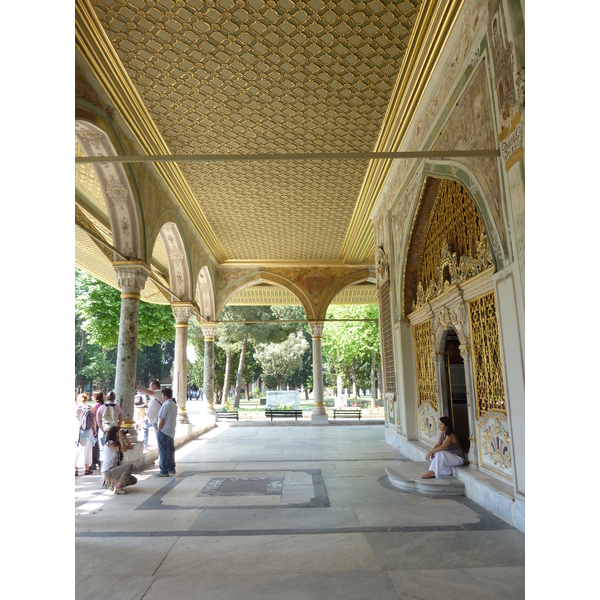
(487,361)
(426,386)
(390,399)
(495,445)
(428,420)
(115,188)
(383,265)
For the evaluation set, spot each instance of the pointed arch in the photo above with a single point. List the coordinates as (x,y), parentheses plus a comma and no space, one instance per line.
(117,191)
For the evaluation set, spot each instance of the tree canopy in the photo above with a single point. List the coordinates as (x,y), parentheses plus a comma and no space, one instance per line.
(98,305)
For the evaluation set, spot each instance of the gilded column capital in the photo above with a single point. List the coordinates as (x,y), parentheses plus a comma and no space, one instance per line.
(316,329)
(209,330)
(182,311)
(131,277)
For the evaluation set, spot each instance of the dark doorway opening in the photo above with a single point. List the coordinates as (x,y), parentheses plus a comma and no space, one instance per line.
(456,389)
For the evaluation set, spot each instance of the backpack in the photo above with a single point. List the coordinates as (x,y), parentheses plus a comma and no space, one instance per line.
(87,419)
(110,417)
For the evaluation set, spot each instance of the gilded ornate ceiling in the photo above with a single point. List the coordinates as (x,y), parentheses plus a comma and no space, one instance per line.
(250,76)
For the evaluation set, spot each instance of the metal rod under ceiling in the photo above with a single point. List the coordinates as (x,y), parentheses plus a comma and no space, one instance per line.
(277,322)
(441,154)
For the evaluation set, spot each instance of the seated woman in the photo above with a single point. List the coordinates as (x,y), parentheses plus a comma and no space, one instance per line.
(117,476)
(447,453)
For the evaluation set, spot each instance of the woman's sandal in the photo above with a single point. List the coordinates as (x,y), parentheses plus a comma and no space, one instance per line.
(427,476)
(89,472)
(120,491)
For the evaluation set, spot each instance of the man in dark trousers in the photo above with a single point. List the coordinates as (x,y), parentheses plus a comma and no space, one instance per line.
(167,421)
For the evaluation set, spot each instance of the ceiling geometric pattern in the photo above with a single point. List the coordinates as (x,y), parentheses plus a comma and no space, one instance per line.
(225,76)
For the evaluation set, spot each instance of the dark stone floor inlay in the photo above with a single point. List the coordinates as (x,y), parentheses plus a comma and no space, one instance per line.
(243,486)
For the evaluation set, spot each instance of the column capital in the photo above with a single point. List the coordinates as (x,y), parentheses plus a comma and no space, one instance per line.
(316,328)
(209,330)
(131,276)
(182,311)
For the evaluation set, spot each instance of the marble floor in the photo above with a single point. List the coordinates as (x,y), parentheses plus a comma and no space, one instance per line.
(289,512)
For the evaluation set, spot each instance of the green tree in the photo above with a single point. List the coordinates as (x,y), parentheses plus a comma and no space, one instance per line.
(98,305)
(352,348)
(281,360)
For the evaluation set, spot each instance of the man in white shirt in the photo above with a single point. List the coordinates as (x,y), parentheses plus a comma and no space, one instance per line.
(167,422)
(156,401)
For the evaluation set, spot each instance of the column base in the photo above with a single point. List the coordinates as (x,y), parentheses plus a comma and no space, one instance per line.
(318,419)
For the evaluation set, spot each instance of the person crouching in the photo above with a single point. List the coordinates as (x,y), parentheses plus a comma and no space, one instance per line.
(116,475)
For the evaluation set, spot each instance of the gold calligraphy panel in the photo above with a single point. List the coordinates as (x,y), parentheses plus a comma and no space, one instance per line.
(426,388)
(487,363)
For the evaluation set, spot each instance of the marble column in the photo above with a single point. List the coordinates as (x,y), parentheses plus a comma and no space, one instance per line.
(182,311)
(319,415)
(209,330)
(131,277)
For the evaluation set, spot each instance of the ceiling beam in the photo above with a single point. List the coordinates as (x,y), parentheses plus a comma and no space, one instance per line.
(438,154)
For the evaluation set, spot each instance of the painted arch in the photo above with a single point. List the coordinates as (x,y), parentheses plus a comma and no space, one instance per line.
(116,188)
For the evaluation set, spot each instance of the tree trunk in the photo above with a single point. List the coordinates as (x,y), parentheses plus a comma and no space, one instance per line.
(354,390)
(238,383)
(373,384)
(247,392)
(227,375)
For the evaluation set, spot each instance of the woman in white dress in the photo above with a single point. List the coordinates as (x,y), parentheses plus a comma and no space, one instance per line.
(447,453)
(84,438)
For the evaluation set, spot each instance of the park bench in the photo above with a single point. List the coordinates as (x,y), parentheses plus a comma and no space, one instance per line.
(223,414)
(272,412)
(346,413)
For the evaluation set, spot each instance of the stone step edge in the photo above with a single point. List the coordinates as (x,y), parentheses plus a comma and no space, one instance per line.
(451,487)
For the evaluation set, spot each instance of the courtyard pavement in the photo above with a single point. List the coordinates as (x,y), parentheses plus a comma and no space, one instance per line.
(269,512)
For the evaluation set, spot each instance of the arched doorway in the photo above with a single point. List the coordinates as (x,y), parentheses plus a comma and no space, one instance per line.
(455,388)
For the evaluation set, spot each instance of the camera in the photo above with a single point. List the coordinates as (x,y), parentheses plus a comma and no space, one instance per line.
(125,430)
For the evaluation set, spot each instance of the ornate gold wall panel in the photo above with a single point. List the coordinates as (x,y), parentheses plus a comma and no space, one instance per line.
(486,359)
(387,343)
(452,247)
(269,77)
(455,220)
(426,387)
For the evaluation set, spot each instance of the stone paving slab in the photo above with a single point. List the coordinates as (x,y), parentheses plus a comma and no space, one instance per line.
(272,554)
(448,549)
(488,583)
(302,586)
(275,518)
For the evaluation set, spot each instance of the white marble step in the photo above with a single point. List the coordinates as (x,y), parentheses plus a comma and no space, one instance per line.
(407,477)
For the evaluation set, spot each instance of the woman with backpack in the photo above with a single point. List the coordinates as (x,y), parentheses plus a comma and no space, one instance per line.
(84,440)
